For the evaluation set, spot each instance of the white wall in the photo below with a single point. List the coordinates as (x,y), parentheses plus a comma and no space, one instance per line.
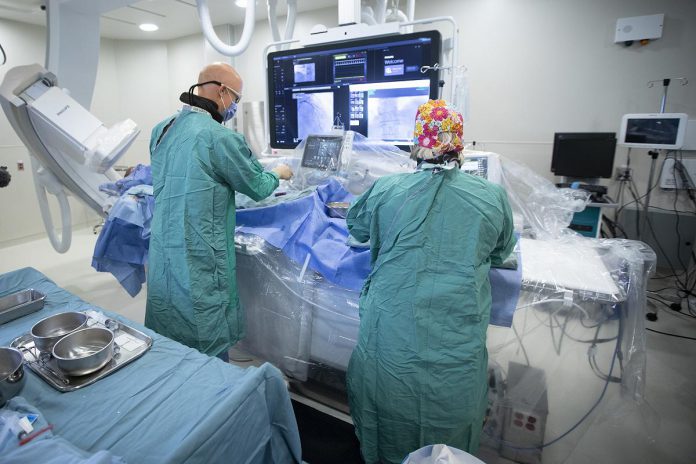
(535,67)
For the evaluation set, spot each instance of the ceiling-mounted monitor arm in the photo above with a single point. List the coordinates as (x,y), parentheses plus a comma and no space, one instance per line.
(212,37)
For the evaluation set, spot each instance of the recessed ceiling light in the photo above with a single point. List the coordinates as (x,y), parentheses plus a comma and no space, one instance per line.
(241,3)
(147,27)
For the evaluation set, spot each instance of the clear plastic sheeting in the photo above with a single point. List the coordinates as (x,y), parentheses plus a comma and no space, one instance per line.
(562,379)
(574,360)
(544,209)
(358,168)
(295,318)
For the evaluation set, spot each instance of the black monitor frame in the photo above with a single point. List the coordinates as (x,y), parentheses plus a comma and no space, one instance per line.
(314,144)
(583,155)
(433,76)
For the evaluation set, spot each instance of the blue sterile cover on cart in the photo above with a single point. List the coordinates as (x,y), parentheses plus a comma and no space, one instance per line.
(174,404)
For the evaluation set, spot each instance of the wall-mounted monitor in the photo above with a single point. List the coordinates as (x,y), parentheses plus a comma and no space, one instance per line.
(653,130)
(371,86)
(583,155)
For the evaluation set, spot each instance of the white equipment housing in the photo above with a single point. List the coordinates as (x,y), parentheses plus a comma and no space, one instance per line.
(653,130)
(74,149)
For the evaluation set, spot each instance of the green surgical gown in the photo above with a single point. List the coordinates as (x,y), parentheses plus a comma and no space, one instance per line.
(418,373)
(191,291)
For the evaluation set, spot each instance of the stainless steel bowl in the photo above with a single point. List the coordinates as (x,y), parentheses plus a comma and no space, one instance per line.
(48,331)
(84,351)
(338,209)
(11,373)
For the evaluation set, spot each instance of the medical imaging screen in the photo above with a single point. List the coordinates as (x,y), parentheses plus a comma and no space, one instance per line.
(373,87)
(650,131)
(322,152)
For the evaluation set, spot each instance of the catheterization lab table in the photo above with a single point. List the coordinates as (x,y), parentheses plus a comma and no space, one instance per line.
(174,404)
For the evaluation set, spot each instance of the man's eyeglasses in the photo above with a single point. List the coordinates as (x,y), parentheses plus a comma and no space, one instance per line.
(236,95)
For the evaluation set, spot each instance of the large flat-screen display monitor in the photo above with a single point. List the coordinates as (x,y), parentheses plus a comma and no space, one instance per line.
(369,86)
(583,155)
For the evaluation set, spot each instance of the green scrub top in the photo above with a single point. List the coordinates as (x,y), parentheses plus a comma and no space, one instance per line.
(196,168)
(418,373)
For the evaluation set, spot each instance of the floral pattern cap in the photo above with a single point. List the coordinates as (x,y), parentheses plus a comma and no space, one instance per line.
(433,118)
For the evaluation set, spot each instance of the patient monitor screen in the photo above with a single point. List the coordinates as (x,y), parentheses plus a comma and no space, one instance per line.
(652,131)
(476,166)
(370,86)
(322,152)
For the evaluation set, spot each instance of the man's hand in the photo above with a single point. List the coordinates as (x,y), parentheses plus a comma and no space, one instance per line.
(283,171)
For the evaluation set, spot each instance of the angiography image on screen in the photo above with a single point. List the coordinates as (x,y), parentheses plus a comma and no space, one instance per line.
(391,108)
(304,72)
(369,86)
(315,113)
(391,119)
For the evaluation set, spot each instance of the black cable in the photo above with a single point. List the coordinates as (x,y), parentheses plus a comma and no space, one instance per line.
(659,301)
(666,276)
(598,372)
(637,200)
(678,220)
(633,190)
(594,340)
(613,226)
(582,419)
(674,308)
(687,182)
(4,56)
(657,242)
(670,210)
(681,286)
(524,350)
(591,358)
(590,326)
(671,334)
(676,313)
(619,197)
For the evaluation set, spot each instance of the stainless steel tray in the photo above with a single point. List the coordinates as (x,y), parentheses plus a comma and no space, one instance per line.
(129,345)
(18,304)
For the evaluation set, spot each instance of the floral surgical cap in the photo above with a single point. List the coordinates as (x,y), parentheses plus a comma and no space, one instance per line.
(434,118)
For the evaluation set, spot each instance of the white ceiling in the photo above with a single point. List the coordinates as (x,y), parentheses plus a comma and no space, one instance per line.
(175,18)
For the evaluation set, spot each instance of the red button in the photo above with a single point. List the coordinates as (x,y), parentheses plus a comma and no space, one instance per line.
(519,415)
(531,419)
(518,423)
(530,427)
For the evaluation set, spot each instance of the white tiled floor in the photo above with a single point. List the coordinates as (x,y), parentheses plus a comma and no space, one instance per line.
(669,415)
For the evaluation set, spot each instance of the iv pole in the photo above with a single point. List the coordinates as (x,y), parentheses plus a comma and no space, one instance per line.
(655,153)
